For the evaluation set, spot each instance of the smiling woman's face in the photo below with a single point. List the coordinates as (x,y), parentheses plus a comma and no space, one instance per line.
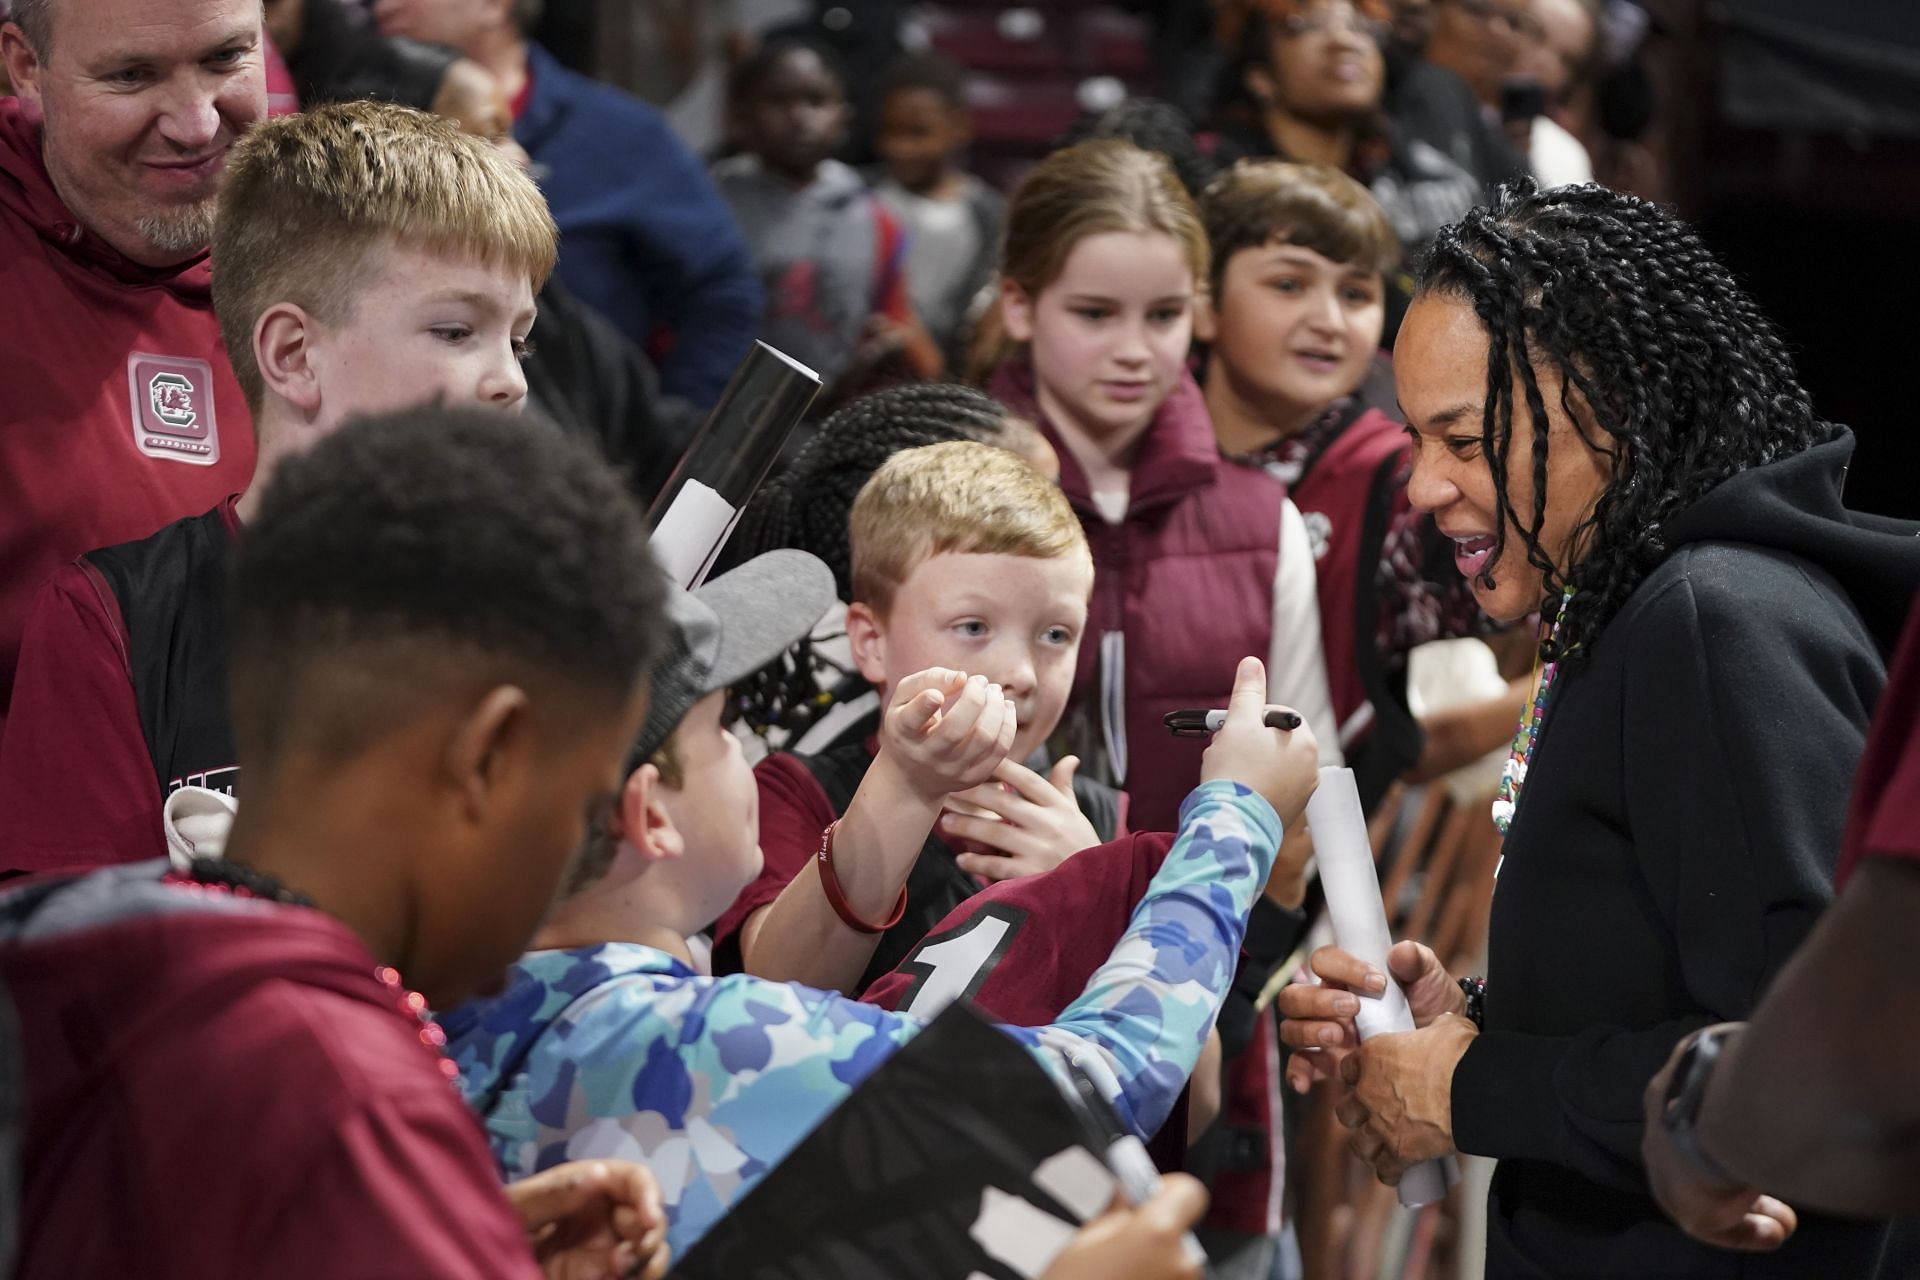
(1440,365)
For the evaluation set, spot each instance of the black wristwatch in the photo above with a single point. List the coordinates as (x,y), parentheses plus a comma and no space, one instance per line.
(1680,1111)
(1475,990)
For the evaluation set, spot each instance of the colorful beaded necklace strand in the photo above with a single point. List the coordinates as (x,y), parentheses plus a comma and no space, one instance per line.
(1513,775)
(217,875)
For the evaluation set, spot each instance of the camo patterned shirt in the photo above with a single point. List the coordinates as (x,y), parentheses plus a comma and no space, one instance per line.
(621,1051)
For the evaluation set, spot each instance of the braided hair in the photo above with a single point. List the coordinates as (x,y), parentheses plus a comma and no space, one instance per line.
(1685,381)
(807,507)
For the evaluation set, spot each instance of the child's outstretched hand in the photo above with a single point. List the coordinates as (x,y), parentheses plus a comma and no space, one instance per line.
(1028,823)
(1283,765)
(945,731)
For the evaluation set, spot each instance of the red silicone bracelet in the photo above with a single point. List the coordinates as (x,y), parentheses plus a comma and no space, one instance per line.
(838,900)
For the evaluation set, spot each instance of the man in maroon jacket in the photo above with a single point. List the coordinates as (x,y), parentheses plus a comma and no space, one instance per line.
(119,412)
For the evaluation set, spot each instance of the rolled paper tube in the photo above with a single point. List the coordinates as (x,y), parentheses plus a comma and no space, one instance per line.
(690,530)
(1344,855)
(726,462)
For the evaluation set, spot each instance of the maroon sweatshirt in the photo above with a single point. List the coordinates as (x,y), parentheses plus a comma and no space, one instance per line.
(221,1087)
(118,410)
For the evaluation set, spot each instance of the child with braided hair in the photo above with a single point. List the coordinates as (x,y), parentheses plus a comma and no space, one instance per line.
(1611,433)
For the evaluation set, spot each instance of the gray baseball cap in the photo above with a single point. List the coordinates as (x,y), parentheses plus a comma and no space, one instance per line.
(728,629)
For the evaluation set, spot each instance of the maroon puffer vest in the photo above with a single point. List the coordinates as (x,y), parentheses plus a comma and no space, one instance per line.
(1186,579)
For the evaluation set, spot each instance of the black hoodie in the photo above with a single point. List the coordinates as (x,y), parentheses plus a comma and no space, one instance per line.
(1675,840)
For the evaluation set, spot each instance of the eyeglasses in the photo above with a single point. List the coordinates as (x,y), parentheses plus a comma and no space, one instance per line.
(1341,17)
(1489,13)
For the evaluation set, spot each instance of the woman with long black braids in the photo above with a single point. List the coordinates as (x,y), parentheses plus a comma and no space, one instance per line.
(1614,436)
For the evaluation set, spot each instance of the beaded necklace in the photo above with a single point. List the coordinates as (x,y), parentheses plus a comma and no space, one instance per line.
(1513,775)
(217,875)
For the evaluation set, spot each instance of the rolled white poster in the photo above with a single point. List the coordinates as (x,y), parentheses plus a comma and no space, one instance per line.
(1344,855)
(692,529)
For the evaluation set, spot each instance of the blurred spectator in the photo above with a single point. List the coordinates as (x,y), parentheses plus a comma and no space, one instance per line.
(830,255)
(674,55)
(1480,41)
(1434,105)
(119,411)
(865,36)
(1305,84)
(1411,26)
(1152,125)
(1186,56)
(644,237)
(952,219)
(1558,57)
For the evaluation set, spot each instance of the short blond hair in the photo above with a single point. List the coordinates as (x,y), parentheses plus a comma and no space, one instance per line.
(961,496)
(308,200)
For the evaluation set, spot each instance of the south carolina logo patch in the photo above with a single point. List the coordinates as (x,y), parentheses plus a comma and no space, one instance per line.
(171,398)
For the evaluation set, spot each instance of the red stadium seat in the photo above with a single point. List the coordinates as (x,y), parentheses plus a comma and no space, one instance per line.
(1020,41)
(1108,43)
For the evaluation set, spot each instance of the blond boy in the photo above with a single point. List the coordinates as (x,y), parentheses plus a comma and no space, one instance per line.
(963,557)
(368,257)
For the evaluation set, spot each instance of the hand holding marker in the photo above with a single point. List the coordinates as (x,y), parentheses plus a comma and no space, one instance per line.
(1197,723)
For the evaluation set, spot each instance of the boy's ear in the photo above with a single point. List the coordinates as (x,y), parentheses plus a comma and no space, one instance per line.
(491,743)
(283,349)
(644,821)
(1016,311)
(868,640)
(1206,321)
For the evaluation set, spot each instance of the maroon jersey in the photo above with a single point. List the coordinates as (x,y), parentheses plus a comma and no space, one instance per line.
(1024,949)
(1885,820)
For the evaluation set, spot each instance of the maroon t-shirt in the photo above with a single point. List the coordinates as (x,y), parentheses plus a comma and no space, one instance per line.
(1885,818)
(218,1088)
(79,785)
(794,810)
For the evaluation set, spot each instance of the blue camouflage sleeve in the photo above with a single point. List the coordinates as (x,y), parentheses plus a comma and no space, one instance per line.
(711,1082)
(1148,1010)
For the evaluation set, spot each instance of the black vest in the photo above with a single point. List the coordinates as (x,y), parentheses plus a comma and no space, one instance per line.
(172,589)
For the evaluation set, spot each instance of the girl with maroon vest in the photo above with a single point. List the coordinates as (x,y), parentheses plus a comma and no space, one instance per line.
(1105,259)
